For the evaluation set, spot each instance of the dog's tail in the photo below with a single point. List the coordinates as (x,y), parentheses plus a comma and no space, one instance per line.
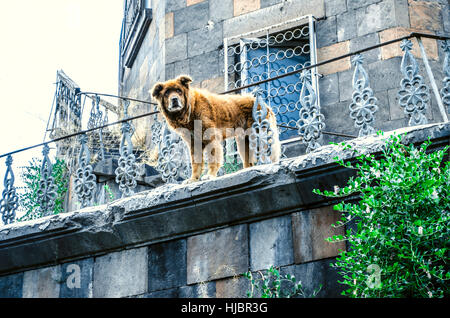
(275,149)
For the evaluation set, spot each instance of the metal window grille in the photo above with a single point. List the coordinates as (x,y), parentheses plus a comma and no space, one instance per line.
(266,53)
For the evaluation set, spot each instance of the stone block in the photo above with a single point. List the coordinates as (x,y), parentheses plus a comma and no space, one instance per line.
(176,48)
(314,274)
(310,229)
(215,85)
(218,254)
(345,85)
(376,17)
(220,10)
(168,25)
(204,66)
(393,50)
(425,15)
(332,51)
(192,2)
(235,287)
(11,286)
(266,17)
(204,40)
(329,89)
(42,282)
(364,41)
(201,290)
(190,18)
(346,25)
(271,243)
(245,6)
(334,7)
(77,279)
(326,32)
(354,4)
(384,75)
(167,265)
(121,274)
(268,3)
(172,5)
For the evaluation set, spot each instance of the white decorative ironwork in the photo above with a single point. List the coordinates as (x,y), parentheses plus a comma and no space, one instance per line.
(364,103)
(414,94)
(311,122)
(128,170)
(261,137)
(47,191)
(9,201)
(84,182)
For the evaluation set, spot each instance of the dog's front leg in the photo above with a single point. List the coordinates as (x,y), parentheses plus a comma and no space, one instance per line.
(196,164)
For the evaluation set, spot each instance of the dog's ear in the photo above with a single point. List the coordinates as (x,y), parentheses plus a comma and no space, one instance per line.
(184,80)
(156,90)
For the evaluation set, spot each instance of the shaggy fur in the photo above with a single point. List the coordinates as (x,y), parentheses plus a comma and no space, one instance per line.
(181,105)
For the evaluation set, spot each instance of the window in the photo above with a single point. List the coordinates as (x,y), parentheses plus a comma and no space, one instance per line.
(267,53)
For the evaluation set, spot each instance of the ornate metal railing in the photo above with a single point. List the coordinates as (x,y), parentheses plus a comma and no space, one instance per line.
(172,162)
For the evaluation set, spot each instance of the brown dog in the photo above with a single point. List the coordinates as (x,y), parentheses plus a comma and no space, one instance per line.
(204,119)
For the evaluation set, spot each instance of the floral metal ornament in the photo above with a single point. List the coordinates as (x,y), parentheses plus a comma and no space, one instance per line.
(261,137)
(311,121)
(364,103)
(445,91)
(84,182)
(173,159)
(47,191)
(128,170)
(9,201)
(414,94)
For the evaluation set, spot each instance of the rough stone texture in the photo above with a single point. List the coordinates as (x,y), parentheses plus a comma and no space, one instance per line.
(364,41)
(235,287)
(346,25)
(218,254)
(68,270)
(393,50)
(314,274)
(168,20)
(215,85)
(326,32)
(11,286)
(121,274)
(167,265)
(268,3)
(354,4)
(204,66)
(334,7)
(245,6)
(42,283)
(376,17)
(191,18)
(331,51)
(271,243)
(329,89)
(201,290)
(220,10)
(265,17)
(425,15)
(176,48)
(310,229)
(192,2)
(204,40)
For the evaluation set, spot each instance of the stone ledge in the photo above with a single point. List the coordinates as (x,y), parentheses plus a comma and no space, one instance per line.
(177,211)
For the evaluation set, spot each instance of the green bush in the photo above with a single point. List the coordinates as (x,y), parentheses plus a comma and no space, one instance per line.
(400,247)
(28,196)
(270,285)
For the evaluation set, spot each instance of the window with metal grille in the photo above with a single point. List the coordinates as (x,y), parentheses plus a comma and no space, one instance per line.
(267,53)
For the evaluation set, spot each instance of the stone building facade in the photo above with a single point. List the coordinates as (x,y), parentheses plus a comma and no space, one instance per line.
(187,37)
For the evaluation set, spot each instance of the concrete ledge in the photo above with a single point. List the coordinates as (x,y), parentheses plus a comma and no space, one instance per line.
(176,211)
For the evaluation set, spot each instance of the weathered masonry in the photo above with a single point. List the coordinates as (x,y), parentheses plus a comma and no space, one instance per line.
(195,240)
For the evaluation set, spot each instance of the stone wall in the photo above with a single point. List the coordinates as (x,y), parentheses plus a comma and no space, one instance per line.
(186,37)
(193,240)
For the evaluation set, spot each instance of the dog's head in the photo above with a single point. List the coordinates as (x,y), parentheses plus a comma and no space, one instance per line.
(173,95)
